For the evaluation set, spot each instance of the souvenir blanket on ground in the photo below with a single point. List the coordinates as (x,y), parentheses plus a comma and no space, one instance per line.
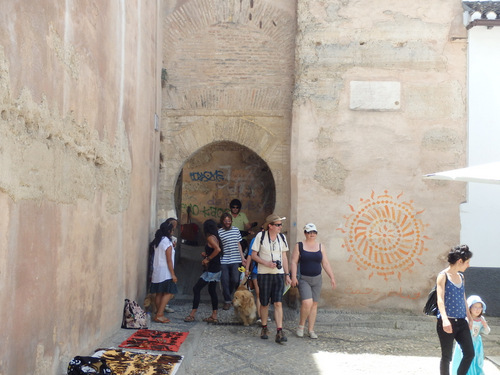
(149,339)
(129,363)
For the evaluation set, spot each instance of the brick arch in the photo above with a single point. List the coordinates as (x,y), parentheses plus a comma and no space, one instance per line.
(245,132)
(196,15)
(228,75)
(192,138)
(227,55)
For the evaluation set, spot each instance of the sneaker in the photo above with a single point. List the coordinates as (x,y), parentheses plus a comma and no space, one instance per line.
(300,331)
(259,321)
(263,333)
(280,337)
(226,306)
(169,310)
(313,335)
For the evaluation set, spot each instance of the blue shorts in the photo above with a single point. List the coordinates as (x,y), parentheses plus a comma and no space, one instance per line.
(211,276)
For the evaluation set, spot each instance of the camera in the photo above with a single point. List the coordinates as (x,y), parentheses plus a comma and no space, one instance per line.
(278,264)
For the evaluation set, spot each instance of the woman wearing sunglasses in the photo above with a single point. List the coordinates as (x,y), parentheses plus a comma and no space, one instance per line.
(312,257)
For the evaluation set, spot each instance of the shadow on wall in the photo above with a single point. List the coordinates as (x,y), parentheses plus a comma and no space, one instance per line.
(214,176)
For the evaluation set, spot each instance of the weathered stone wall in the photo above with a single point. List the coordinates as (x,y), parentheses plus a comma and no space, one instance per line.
(228,76)
(78,92)
(379,101)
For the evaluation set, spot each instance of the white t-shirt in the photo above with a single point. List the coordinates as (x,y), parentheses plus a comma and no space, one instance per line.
(160,267)
(270,250)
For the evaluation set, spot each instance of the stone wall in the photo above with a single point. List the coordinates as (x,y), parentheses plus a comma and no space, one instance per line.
(79,83)
(380,100)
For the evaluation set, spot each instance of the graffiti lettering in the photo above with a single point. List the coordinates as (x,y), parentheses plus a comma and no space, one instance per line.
(207,176)
(210,211)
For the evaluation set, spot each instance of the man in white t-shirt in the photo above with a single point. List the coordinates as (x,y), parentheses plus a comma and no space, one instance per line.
(269,250)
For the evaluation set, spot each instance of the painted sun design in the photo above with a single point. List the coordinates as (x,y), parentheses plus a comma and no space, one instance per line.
(384,235)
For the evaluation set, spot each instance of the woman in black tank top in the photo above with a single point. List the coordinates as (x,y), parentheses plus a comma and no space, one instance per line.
(311,257)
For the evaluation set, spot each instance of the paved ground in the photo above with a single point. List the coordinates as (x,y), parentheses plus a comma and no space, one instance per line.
(349,342)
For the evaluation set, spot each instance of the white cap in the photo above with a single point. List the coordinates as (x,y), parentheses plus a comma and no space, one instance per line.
(310,228)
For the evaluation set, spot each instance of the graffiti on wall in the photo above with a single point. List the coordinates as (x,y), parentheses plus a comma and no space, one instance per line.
(204,211)
(207,176)
(384,235)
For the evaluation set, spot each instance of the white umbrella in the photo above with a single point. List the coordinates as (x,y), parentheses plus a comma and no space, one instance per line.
(485,173)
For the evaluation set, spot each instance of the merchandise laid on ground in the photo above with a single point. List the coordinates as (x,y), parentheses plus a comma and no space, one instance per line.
(147,339)
(130,363)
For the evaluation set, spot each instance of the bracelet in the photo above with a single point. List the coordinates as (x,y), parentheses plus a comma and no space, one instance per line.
(287,274)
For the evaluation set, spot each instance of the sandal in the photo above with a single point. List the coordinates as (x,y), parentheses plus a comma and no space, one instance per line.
(210,320)
(161,320)
(189,319)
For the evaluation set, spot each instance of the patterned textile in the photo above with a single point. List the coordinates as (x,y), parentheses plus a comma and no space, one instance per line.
(155,340)
(128,363)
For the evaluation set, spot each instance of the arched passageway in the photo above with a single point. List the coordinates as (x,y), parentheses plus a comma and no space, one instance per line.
(212,177)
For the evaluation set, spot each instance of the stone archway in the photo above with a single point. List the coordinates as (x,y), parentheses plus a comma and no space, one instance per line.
(228,76)
(218,173)
(242,137)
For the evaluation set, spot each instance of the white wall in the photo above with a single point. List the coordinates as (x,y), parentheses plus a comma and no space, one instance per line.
(480,215)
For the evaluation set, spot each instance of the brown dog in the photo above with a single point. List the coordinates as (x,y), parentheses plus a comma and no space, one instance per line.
(244,305)
(150,304)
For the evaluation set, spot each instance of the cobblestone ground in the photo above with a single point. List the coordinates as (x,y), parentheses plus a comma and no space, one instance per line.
(349,342)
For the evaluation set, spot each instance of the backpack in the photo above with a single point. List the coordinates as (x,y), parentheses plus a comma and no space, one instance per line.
(134,317)
(264,234)
(88,365)
(431,307)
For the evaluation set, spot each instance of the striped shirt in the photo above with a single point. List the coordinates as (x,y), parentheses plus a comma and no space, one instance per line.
(230,240)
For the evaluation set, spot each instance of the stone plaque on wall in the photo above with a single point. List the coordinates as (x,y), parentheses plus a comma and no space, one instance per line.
(375,96)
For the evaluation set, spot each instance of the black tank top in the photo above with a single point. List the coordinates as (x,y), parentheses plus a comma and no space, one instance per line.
(213,264)
(310,262)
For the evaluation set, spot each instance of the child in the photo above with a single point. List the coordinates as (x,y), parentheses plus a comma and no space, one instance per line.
(477,307)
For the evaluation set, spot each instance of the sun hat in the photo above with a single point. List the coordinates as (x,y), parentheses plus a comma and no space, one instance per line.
(310,227)
(271,219)
(475,299)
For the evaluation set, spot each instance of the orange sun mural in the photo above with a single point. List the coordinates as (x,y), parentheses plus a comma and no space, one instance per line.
(384,235)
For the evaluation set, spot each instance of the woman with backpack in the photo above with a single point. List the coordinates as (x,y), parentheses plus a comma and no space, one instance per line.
(454,320)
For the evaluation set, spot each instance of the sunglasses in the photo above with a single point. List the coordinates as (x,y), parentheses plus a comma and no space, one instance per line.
(235,207)
(277,225)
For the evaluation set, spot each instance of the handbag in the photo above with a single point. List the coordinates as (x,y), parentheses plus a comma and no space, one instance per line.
(431,307)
